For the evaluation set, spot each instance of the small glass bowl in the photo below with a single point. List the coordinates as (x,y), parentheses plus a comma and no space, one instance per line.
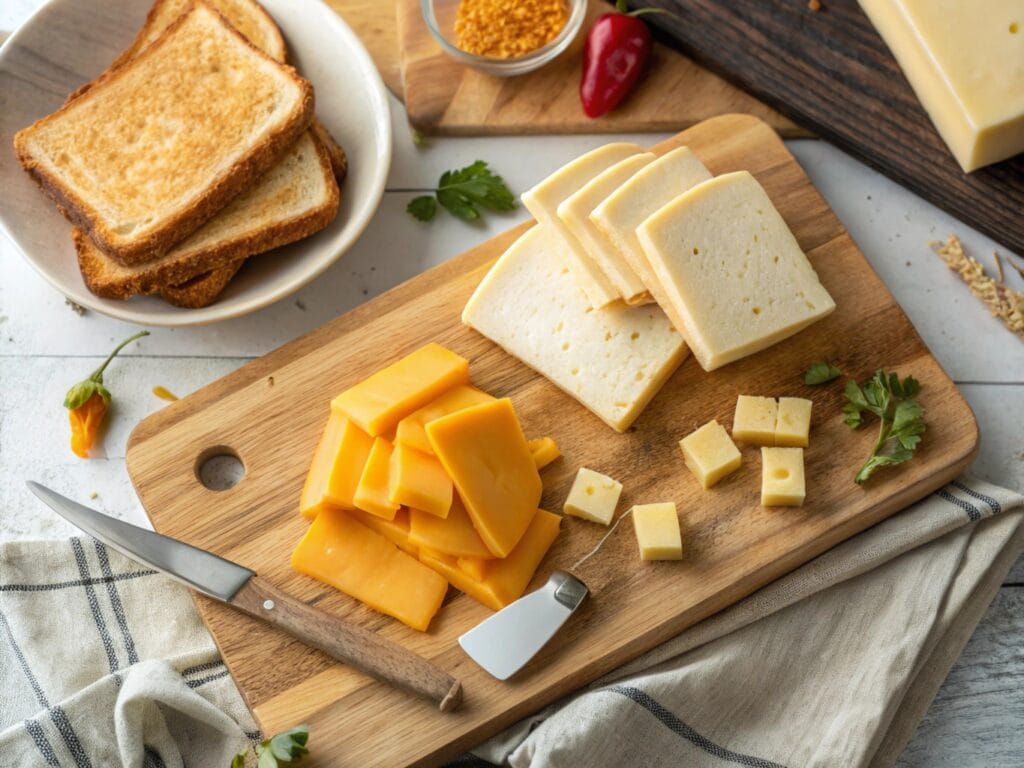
(439,16)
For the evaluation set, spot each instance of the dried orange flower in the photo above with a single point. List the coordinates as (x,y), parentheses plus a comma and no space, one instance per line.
(506,29)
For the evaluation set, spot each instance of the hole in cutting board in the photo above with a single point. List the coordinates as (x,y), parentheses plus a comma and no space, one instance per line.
(219,468)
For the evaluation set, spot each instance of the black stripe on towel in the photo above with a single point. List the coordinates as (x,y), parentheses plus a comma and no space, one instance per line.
(680,728)
(115,603)
(73,583)
(36,688)
(201,668)
(151,759)
(94,604)
(973,513)
(205,680)
(42,744)
(994,505)
(67,732)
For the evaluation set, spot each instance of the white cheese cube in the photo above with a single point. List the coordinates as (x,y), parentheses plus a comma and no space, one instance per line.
(657,531)
(543,201)
(782,477)
(965,62)
(575,214)
(755,419)
(710,453)
(593,496)
(732,272)
(793,426)
(612,361)
(650,188)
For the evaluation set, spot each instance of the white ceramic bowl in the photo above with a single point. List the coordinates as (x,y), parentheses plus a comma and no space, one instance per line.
(68,42)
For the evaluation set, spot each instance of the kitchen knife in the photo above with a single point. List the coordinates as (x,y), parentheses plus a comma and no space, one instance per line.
(503,643)
(241,588)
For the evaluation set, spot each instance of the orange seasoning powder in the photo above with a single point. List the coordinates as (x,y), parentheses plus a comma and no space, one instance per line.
(507,29)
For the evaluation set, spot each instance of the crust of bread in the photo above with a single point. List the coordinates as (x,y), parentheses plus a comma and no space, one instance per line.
(339,160)
(175,271)
(202,290)
(178,226)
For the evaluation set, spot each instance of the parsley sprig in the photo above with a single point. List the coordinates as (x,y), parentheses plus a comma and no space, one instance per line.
(901,418)
(287,747)
(821,373)
(463,193)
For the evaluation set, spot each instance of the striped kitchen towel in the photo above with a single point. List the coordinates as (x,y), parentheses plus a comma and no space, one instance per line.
(104,663)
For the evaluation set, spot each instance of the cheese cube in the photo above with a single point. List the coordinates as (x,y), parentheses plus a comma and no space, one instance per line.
(782,477)
(544,451)
(754,420)
(543,201)
(653,186)
(593,496)
(372,492)
(657,531)
(965,62)
(575,214)
(733,275)
(416,479)
(793,426)
(710,453)
(613,361)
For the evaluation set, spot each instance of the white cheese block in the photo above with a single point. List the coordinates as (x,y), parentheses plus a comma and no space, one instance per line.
(575,214)
(642,194)
(734,276)
(613,361)
(965,61)
(543,201)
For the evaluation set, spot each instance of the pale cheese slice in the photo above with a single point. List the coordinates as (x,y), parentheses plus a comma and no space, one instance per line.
(575,214)
(543,201)
(650,188)
(613,361)
(734,275)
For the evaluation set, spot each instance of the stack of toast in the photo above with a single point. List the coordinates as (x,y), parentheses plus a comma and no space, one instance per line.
(195,150)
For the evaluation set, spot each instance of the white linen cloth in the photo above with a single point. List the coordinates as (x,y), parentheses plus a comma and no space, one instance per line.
(103,663)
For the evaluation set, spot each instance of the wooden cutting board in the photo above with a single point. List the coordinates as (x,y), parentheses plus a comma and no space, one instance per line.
(830,71)
(445,97)
(271,411)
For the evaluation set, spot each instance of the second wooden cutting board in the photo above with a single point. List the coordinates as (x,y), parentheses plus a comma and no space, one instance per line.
(270,414)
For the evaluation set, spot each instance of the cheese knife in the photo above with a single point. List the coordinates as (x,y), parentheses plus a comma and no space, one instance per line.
(242,589)
(503,643)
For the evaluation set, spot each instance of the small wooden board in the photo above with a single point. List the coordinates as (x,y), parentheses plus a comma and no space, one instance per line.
(270,413)
(832,72)
(444,97)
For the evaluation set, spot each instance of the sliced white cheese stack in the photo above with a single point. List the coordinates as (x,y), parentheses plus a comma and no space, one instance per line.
(543,201)
(575,214)
(642,194)
(613,361)
(735,278)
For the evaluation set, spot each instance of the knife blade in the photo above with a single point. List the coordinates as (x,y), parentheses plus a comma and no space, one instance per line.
(243,589)
(505,642)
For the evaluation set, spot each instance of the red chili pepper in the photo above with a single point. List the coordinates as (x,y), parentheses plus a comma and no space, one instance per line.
(617,48)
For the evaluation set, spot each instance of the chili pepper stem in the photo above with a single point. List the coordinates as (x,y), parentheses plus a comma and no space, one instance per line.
(97,375)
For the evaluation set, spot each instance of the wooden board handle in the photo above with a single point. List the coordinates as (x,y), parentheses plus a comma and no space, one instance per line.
(366,651)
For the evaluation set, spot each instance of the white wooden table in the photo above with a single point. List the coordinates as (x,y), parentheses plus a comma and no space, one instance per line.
(45,346)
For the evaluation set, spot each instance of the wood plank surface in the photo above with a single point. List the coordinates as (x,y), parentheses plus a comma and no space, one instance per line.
(374,22)
(444,97)
(270,413)
(832,72)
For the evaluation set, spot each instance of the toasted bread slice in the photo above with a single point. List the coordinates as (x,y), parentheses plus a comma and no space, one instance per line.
(201,290)
(118,160)
(296,198)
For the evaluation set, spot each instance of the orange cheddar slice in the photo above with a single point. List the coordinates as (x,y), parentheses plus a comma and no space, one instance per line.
(378,403)
(341,552)
(476,567)
(504,581)
(483,450)
(419,481)
(337,466)
(396,530)
(410,429)
(543,450)
(372,492)
(453,535)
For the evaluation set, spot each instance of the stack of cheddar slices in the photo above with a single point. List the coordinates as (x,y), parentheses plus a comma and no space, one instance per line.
(195,150)
(635,260)
(421,480)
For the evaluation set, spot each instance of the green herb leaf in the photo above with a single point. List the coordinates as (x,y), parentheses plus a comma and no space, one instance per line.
(238,761)
(821,373)
(287,747)
(422,208)
(901,418)
(464,192)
